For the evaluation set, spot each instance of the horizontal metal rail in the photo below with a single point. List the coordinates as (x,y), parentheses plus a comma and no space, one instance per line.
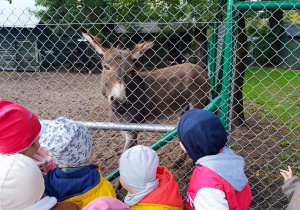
(270,5)
(171,130)
(123,126)
(159,128)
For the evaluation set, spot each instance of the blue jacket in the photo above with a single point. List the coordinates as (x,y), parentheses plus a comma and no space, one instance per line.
(80,186)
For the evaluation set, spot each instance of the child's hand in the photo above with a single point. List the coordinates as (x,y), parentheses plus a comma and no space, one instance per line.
(287,175)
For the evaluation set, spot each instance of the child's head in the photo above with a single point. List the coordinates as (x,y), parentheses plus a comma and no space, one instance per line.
(19,129)
(67,142)
(106,203)
(21,182)
(201,133)
(138,166)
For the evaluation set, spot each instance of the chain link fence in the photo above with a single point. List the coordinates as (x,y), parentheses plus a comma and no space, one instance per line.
(49,67)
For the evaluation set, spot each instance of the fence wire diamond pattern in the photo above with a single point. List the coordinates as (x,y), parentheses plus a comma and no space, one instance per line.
(49,67)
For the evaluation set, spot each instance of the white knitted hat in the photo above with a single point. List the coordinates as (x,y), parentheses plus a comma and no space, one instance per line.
(138,166)
(67,142)
(21,182)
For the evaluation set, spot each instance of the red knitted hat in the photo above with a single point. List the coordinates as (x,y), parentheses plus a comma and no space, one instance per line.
(18,127)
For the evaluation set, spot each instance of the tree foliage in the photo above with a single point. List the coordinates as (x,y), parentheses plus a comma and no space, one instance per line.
(266,27)
(61,14)
(96,14)
(292,16)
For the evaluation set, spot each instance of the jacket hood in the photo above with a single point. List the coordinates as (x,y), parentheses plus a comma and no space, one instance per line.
(167,193)
(202,133)
(106,203)
(227,165)
(64,185)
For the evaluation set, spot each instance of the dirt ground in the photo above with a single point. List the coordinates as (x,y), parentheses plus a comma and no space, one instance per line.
(77,95)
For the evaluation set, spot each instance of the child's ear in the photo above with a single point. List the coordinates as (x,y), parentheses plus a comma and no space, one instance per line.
(127,188)
(123,184)
(182,147)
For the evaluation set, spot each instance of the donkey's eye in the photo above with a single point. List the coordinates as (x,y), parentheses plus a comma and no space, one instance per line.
(106,67)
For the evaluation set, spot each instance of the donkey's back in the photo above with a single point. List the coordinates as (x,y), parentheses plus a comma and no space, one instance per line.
(172,90)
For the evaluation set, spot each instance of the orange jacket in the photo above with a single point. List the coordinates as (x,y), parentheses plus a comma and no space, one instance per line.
(166,196)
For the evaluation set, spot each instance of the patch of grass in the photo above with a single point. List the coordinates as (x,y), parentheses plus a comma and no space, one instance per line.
(297,157)
(275,94)
(267,169)
(286,155)
(284,143)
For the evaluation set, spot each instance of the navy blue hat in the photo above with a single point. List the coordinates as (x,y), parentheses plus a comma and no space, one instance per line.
(201,133)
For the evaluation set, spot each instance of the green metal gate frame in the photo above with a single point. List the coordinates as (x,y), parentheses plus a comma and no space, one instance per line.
(221,92)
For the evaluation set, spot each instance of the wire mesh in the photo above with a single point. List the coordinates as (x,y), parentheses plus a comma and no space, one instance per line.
(48,67)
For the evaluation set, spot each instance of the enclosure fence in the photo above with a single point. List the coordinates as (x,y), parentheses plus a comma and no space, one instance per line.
(249,50)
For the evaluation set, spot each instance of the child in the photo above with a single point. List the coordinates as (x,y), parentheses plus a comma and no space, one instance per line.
(218,180)
(106,203)
(69,144)
(19,133)
(149,186)
(22,186)
(291,188)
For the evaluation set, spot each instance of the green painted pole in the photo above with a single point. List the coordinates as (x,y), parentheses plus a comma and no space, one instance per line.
(269,5)
(214,105)
(228,62)
(113,175)
(168,137)
(212,54)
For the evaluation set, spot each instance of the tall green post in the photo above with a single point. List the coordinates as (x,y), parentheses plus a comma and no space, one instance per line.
(228,63)
(213,51)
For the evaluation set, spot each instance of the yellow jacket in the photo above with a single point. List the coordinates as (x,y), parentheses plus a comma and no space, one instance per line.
(80,186)
(104,188)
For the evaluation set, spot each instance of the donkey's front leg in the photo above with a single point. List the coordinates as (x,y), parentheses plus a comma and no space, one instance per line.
(131,139)
(180,160)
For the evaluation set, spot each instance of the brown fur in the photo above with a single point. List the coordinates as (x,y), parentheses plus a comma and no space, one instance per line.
(151,97)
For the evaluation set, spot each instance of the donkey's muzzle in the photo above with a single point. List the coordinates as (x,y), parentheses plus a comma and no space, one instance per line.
(118,106)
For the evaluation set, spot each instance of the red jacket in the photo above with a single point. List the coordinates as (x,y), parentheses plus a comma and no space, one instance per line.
(208,190)
(165,196)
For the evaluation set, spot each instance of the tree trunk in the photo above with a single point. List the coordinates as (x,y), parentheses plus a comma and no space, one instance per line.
(275,33)
(238,116)
(201,46)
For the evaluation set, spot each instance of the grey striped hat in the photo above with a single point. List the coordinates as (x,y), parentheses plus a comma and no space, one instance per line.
(67,142)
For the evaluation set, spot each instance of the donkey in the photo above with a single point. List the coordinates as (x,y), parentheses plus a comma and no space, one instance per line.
(147,96)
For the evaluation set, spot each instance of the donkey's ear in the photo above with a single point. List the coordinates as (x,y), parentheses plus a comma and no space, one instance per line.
(95,42)
(140,49)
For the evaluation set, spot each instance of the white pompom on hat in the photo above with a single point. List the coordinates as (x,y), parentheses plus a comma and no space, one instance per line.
(21,182)
(138,166)
(67,142)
